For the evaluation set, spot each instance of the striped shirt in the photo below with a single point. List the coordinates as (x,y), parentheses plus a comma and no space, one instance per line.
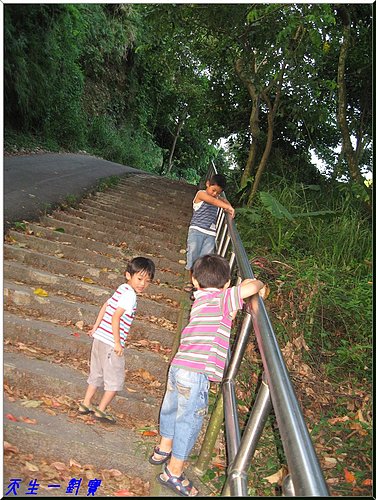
(205,340)
(204,217)
(124,297)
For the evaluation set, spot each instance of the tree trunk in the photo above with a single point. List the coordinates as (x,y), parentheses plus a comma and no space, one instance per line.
(272,109)
(253,122)
(255,132)
(264,159)
(179,126)
(352,157)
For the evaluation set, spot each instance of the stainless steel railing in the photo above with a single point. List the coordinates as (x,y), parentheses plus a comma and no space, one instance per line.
(276,393)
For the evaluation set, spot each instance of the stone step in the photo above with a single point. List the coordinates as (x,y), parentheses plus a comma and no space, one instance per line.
(93,206)
(37,236)
(38,377)
(73,287)
(22,298)
(179,197)
(63,250)
(114,237)
(164,211)
(132,231)
(73,342)
(177,225)
(158,185)
(101,276)
(121,222)
(66,438)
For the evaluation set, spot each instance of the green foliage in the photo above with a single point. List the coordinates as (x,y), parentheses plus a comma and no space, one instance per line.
(108,182)
(126,145)
(329,245)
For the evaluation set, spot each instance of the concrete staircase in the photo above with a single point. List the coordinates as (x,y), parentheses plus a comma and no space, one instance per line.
(57,274)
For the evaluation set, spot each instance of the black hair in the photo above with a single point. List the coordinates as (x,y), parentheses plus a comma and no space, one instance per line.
(211,271)
(218,180)
(141,264)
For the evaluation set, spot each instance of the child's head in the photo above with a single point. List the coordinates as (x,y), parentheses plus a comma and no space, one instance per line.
(211,271)
(139,273)
(215,185)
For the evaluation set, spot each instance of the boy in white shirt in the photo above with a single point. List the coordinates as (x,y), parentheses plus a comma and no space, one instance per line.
(107,364)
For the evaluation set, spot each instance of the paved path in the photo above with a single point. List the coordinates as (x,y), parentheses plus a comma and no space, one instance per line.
(34,183)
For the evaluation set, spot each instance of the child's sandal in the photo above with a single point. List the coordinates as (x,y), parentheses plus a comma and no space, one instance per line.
(103,416)
(176,483)
(166,455)
(188,287)
(85,410)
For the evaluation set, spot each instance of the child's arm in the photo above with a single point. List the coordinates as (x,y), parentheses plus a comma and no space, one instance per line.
(218,202)
(249,287)
(116,330)
(99,319)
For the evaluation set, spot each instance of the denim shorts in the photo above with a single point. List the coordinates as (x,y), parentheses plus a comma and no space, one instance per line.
(198,244)
(184,407)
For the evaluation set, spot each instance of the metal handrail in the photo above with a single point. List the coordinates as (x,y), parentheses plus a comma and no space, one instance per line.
(276,392)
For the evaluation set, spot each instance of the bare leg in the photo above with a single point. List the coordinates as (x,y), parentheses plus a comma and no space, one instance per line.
(90,391)
(164,445)
(176,468)
(107,397)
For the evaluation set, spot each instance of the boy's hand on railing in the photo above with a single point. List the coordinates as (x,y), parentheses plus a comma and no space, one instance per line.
(264,292)
(231,211)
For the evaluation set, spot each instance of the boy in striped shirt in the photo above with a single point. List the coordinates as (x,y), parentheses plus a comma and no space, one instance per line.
(203,225)
(200,359)
(107,364)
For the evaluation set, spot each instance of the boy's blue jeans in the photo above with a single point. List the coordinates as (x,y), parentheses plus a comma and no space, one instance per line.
(183,409)
(198,244)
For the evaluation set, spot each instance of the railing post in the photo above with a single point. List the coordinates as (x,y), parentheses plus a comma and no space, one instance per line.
(236,483)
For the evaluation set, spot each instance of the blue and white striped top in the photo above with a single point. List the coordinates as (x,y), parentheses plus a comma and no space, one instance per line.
(204,217)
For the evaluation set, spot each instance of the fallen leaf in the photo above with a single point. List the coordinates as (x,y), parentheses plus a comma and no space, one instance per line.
(357,426)
(31,403)
(80,324)
(277,477)
(11,417)
(149,433)
(72,463)
(10,447)
(115,472)
(87,280)
(367,482)
(349,476)
(123,493)
(50,412)
(59,466)
(31,467)
(181,261)
(338,419)
(75,334)
(218,465)
(41,292)
(359,416)
(130,390)
(330,462)
(27,420)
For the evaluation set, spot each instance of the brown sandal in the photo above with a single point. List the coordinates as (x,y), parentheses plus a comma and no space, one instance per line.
(188,287)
